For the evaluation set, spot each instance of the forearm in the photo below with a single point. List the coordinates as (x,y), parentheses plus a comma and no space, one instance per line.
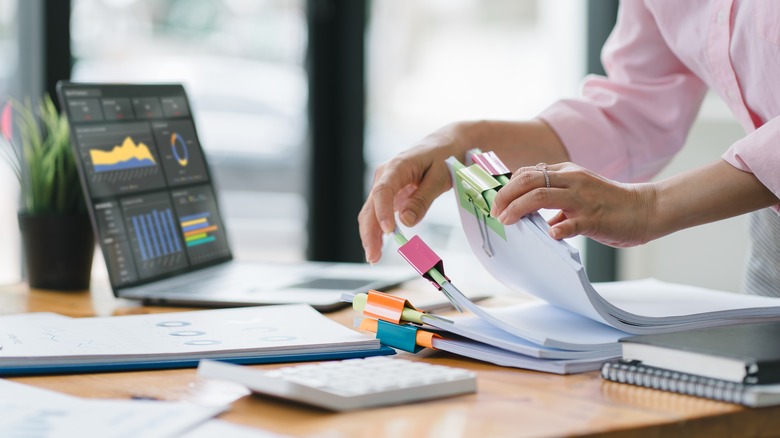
(708,194)
(516,143)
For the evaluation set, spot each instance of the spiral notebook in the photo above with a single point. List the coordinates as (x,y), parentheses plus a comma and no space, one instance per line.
(634,373)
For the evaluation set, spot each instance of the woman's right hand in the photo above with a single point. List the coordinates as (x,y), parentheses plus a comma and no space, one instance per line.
(409,183)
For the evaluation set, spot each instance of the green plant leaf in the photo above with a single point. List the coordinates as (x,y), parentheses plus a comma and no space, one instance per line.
(45,165)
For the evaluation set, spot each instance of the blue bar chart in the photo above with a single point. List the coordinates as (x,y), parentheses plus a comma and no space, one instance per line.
(153,231)
(156,234)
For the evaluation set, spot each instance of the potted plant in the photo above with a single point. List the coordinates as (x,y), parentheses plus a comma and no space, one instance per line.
(56,233)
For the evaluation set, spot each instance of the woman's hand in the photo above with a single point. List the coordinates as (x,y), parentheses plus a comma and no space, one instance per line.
(609,212)
(409,183)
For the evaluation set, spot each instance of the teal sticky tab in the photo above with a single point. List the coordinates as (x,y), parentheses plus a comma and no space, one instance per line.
(402,337)
(469,198)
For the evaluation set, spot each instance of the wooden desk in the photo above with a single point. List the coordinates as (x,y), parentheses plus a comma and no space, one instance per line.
(509,402)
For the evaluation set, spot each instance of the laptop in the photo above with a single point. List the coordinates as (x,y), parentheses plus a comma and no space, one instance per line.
(155,214)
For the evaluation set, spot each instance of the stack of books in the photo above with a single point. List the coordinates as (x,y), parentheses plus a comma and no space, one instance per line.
(737,364)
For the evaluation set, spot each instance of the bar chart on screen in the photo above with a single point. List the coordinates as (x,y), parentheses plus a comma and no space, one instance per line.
(154,236)
(201,227)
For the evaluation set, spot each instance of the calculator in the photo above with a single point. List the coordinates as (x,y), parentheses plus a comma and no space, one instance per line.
(349,384)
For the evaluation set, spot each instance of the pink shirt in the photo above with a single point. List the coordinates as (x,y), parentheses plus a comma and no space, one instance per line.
(660,59)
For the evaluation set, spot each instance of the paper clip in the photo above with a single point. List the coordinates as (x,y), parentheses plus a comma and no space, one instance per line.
(390,308)
(490,162)
(425,262)
(386,307)
(479,185)
(476,191)
(483,231)
(406,337)
(480,188)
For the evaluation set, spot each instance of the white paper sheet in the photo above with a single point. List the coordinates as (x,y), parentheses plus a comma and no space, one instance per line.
(529,260)
(536,329)
(243,331)
(498,356)
(31,412)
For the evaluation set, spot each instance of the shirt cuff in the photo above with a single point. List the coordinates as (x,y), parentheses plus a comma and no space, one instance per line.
(759,154)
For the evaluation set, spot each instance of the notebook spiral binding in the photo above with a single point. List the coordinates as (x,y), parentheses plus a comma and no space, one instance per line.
(635,373)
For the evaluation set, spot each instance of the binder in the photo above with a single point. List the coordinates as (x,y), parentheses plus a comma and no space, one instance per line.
(746,353)
(47,344)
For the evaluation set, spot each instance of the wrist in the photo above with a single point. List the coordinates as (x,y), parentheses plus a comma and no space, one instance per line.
(655,215)
(468,135)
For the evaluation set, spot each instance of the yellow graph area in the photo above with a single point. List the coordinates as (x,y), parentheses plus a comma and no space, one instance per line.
(126,152)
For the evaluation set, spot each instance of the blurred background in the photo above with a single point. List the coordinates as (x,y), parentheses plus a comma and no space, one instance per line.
(296,102)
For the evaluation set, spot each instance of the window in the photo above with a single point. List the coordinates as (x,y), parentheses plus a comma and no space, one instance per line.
(241,62)
(9,189)
(433,62)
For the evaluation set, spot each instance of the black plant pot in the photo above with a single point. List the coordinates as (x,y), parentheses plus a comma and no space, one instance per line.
(58,251)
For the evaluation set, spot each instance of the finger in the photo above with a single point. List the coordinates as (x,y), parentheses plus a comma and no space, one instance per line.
(414,207)
(523,181)
(386,187)
(567,228)
(558,218)
(370,232)
(552,198)
(401,197)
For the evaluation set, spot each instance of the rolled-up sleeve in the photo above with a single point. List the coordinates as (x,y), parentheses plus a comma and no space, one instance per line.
(628,125)
(758,153)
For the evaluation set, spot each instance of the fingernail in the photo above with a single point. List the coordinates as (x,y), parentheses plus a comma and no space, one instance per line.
(502,218)
(386,227)
(408,217)
(555,233)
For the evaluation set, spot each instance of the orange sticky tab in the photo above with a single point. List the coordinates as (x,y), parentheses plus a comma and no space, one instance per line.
(425,339)
(368,325)
(386,307)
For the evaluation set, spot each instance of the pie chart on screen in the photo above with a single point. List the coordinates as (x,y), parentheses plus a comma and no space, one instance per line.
(179,148)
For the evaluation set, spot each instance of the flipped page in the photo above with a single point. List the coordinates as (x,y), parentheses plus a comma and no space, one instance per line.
(527,259)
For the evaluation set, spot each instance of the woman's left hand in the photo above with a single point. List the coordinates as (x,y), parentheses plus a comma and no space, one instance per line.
(609,212)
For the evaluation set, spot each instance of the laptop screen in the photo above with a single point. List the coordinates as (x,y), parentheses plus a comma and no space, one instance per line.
(146,181)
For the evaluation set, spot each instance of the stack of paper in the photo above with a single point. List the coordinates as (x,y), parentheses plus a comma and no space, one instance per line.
(575,325)
(51,343)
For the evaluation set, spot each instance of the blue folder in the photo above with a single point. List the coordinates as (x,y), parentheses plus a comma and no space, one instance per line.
(141,365)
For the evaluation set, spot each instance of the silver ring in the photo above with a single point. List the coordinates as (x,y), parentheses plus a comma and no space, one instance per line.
(543,168)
